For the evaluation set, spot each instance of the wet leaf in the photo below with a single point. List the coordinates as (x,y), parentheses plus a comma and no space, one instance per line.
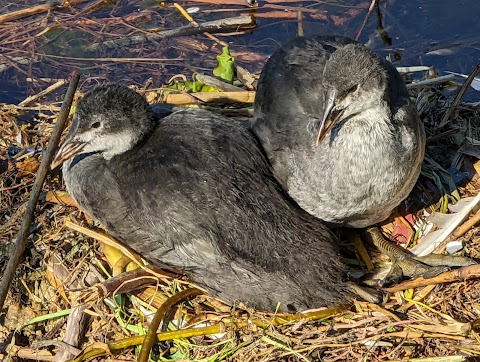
(225,69)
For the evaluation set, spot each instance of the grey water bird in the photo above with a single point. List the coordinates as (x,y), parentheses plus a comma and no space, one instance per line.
(194,191)
(340,130)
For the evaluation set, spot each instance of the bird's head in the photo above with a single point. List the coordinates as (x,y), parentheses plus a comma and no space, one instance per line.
(355,79)
(110,119)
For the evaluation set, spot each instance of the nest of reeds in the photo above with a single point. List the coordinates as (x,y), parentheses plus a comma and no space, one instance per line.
(65,301)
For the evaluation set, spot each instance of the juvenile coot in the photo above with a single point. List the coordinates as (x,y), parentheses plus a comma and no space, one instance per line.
(194,191)
(339,128)
(343,136)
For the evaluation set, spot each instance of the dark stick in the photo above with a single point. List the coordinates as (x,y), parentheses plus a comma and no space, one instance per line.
(160,314)
(459,96)
(21,240)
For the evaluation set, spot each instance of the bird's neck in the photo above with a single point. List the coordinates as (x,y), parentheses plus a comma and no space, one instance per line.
(374,120)
(119,143)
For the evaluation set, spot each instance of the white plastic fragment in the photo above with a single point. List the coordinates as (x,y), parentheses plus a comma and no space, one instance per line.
(460,211)
(454,246)
(423,225)
(475,83)
(193,10)
(420,68)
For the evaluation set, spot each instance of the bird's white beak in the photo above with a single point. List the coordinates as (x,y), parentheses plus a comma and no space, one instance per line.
(68,150)
(329,118)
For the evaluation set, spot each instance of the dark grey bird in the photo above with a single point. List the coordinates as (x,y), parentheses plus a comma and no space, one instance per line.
(340,130)
(194,191)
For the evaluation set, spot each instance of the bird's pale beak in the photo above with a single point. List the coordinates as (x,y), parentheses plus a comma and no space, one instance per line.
(68,150)
(330,118)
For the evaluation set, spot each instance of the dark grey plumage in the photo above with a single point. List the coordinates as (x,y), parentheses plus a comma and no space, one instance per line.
(370,159)
(194,191)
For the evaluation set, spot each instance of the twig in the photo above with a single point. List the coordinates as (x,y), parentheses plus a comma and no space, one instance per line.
(300,23)
(459,96)
(26,353)
(370,10)
(467,225)
(465,273)
(421,295)
(413,69)
(194,23)
(160,315)
(123,283)
(55,343)
(247,78)
(27,60)
(60,197)
(34,10)
(362,251)
(29,100)
(215,26)
(21,240)
(439,136)
(104,238)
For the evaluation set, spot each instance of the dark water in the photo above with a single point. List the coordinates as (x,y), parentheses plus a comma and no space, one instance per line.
(443,34)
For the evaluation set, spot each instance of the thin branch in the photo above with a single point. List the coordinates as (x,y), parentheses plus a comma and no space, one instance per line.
(462,274)
(215,26)
(370,10)
(459,96)
(38,9)
(21,240)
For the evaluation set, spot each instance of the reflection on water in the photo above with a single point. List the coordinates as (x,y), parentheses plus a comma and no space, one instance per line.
(421,32)
(444,34)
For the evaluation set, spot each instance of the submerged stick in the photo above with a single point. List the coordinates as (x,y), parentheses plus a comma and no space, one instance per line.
(192,21)
(215,26)
(369,13)
(34,10)
(29,100)
(21,240)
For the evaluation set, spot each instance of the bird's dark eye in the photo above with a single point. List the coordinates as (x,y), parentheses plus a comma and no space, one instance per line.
(353,89)
(95,125)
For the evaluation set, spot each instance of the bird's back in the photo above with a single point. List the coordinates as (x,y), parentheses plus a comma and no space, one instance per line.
(198,194)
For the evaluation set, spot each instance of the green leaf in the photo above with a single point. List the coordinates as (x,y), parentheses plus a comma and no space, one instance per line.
(189,86)
(225,69)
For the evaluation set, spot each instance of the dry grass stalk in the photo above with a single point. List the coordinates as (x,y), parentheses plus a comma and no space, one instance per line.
(221,98)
